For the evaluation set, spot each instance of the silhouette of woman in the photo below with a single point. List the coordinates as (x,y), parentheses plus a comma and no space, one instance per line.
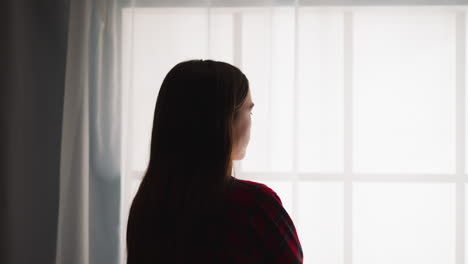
(189,208)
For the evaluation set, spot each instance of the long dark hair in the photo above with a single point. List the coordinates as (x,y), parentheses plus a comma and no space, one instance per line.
(181,194)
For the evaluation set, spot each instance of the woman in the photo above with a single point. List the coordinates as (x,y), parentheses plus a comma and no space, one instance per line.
(189,209)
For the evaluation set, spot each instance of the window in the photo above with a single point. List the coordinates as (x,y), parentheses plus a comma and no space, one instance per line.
(359,123)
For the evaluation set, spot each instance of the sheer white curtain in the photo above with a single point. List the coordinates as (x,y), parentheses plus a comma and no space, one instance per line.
(359,123)
(90,171)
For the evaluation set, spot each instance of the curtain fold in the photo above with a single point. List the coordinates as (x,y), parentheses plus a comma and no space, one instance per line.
(90,171)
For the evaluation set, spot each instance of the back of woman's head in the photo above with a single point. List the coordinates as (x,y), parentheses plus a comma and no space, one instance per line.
(181,194)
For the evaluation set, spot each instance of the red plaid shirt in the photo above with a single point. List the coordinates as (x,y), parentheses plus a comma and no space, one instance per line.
(257,228)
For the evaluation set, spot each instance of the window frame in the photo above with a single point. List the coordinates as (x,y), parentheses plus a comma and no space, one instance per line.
(347,177)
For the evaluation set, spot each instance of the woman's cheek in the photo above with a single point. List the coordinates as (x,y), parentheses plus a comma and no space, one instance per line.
(248,126)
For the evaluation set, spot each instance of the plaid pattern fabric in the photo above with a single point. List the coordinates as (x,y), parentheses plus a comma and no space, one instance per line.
(257,228)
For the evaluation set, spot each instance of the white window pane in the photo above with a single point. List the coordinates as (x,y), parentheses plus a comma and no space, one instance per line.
(320,222)
(221,35)
(159,42)
(284,190)
(403,87)
(268,62)
(255,63)
(404,223)
(282,90)
(320,88)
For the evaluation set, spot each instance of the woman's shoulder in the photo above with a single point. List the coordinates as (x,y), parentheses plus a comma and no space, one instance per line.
(251,193)
(260,220)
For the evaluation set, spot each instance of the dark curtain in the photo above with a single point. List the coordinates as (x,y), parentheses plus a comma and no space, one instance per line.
(33,41)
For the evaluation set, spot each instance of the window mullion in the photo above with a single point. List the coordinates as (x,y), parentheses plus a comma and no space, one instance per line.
(348,125)
(295,177)
(460,137)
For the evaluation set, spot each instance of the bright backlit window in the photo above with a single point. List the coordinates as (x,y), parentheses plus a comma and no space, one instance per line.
(359,123)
